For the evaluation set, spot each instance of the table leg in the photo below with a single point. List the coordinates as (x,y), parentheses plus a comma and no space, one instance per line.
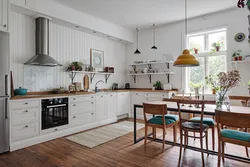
(135,124)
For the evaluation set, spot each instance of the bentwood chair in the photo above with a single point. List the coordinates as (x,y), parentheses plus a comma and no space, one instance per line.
(232,119)
(195,126)
(162,120)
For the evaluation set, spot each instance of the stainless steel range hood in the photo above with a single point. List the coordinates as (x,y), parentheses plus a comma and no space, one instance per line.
(42,57)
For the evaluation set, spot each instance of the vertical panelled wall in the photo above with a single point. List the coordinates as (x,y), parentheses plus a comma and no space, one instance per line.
(66,45)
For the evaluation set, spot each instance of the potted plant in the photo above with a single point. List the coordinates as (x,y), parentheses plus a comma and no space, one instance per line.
(217,45)
(211,82)
(196,50)
(157,85)
(236,55)
(75,66)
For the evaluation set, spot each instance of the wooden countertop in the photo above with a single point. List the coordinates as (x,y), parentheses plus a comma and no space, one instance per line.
(31,95)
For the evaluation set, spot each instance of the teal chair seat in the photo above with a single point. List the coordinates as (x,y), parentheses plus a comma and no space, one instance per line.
(158,120)
(207,121)
(237,135)
(170,116)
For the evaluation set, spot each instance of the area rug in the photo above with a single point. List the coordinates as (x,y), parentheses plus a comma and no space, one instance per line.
(104,134)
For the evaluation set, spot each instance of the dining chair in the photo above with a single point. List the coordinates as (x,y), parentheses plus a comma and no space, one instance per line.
(160,120)
(195,126)
(232,119)
(208,121)
(245,101)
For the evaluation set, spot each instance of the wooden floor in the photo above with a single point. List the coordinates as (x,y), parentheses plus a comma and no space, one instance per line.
(119,152)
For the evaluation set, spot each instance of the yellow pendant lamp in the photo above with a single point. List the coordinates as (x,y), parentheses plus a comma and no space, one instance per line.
(186,59)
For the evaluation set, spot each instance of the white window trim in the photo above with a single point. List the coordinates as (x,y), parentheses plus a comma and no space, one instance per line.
(214,30)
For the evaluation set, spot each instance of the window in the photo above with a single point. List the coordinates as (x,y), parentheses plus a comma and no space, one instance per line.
(211,62)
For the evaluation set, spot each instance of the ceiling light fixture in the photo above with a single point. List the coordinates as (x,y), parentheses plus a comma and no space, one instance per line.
(154,47)
(186,59)
(137,50)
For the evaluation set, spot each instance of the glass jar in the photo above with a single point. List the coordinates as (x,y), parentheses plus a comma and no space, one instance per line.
(222,101)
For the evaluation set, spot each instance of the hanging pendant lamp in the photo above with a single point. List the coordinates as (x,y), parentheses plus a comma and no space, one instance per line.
(154,47)
(137,50)
(186,59)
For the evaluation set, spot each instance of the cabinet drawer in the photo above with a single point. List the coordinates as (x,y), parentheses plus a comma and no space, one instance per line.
(55,129)
(25,104)
(25,116)
(82,119)
(82,98)
(78,108)
(23,131)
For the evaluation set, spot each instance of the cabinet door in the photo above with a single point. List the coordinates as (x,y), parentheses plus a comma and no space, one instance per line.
(100,108)
(137,98)
(110,105)
(3,15)
(122,103)
(18,2)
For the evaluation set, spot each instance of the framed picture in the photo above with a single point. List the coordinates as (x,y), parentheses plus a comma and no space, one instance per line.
(97,59)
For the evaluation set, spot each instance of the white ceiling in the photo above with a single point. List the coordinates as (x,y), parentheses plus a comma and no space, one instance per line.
(138,13)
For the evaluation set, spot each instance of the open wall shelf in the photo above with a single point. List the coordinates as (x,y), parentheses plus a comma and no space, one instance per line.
(92,75)
(134,75)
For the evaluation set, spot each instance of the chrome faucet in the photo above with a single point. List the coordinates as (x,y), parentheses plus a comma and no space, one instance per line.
(97,83)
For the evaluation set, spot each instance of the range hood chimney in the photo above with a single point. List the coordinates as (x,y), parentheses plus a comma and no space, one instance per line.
(42,57)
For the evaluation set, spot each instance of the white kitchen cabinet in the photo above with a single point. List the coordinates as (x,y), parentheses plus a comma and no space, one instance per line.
(122,106)
(24,131)
(137,98)
(110,105)
(100,107)
(3,15)
(82,110)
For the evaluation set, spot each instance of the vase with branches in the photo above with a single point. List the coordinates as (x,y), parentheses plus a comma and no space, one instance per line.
(224,82)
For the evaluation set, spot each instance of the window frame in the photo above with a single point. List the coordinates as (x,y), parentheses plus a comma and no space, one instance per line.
(205,55)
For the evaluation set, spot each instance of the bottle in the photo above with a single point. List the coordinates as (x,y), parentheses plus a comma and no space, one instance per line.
(86,83)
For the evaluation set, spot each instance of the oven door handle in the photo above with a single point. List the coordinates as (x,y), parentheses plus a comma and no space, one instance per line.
(54,106)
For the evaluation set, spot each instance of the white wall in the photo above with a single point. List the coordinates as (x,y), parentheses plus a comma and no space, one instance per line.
(169,39)
(66,45)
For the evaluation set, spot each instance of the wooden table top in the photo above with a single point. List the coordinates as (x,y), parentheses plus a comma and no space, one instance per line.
(208,110)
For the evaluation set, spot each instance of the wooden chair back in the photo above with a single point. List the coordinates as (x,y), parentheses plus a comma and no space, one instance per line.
(233,119)
(154,109)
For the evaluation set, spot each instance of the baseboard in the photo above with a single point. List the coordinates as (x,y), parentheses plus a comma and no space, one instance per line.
(54,135)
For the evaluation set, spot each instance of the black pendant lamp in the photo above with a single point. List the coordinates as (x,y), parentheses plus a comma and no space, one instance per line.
(137,51)
(154,47)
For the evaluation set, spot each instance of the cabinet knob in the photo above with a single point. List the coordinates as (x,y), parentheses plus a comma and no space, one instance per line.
(92,97)
(74,105)
(26,111)
(5,25)
(26,103)
(74,116)
(74,98)
(92,113)
(26,126)
(92,102)
(101,96)
(55,129)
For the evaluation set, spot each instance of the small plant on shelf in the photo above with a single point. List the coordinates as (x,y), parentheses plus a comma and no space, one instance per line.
(157,85)
(75,66)
(217,46)
(236,55)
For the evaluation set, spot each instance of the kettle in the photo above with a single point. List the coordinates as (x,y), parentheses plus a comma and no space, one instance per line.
(127,86)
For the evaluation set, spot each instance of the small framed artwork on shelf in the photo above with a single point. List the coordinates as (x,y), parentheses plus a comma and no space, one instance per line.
(97,59)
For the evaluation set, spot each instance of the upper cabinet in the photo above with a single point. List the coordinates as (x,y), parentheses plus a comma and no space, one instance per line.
(3,15)
(25,3)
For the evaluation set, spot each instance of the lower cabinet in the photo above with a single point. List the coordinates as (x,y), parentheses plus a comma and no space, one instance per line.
(82,119)
(100,107)
(123,100)
(24,131)
(110,106)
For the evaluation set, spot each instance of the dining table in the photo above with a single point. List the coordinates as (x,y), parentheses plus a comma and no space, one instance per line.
(172,107)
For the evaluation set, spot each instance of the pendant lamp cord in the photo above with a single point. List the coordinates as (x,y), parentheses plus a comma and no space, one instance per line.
(137,37)
(186,18)
(154,34)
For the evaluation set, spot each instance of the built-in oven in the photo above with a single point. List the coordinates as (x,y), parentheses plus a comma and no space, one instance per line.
(55,112)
